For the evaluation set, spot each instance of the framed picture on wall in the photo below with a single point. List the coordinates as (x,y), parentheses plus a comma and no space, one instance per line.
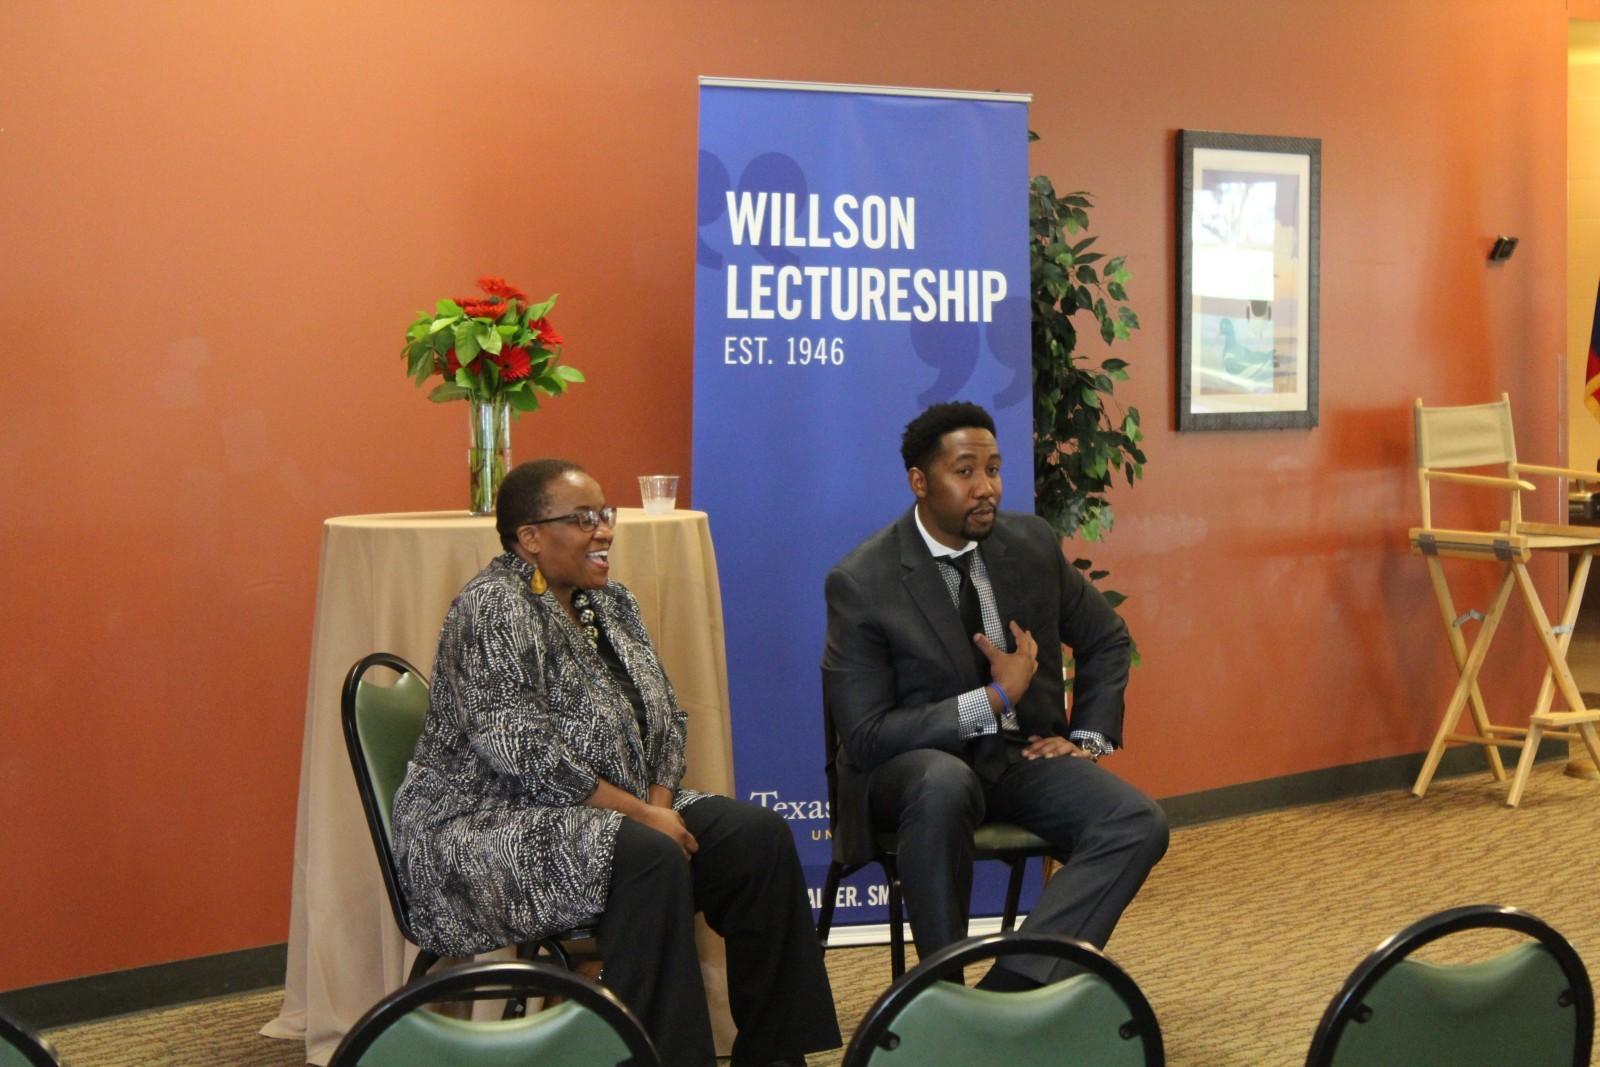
(1248,245)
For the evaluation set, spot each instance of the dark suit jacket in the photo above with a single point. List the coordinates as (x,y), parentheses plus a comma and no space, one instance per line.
(896,656)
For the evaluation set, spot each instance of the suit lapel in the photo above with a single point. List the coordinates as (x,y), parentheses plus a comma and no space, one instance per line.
(920,574)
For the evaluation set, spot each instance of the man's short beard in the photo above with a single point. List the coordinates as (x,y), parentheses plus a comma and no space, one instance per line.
(974,535)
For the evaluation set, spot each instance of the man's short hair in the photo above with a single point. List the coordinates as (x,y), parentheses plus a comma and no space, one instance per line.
(525,495)
(920,442)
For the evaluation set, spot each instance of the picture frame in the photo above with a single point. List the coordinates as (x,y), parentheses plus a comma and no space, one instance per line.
(1249,245)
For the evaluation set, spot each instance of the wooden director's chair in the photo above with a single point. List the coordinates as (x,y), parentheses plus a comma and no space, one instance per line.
(1479,435)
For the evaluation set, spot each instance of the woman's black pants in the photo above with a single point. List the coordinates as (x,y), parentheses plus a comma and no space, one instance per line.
(747,881)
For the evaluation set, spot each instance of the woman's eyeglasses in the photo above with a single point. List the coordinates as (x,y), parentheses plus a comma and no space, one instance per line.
(585,518)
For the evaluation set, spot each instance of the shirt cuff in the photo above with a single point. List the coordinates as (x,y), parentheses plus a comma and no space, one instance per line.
(972,708)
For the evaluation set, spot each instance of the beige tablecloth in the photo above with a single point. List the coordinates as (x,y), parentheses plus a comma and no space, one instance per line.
(385,584)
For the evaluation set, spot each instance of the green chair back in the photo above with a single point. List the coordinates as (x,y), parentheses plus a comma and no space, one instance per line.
(21,1047)
(11,1056)
(1097,1018)
(1071,1022)
(1531,1005)
(388,723)
(590,1028)
(566,1034)
(1504,1010)
(381,726)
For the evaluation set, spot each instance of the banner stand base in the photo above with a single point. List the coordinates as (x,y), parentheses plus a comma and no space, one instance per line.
(878,933)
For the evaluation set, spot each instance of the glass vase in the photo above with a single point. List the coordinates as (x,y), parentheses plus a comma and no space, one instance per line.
(489,451)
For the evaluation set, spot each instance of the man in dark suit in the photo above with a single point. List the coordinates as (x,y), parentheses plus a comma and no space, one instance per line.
(942,674)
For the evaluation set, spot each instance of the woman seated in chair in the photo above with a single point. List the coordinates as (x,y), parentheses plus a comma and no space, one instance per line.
(544,793)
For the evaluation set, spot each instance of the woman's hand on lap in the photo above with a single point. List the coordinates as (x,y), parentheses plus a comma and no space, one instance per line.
(666,821)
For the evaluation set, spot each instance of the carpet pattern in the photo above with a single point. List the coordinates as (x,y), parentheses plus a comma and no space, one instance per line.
(1240,938)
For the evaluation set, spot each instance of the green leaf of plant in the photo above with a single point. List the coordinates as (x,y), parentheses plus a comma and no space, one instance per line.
(444,323)
(524,399)
(571,374)
(467,346)
(488,338)
(448,391)
(539,311)
(448,307)
(1078,448)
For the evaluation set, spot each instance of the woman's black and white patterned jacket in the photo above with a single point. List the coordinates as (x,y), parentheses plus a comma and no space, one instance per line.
(492,840)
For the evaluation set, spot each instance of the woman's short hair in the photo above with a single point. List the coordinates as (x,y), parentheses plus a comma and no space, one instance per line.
(525,495)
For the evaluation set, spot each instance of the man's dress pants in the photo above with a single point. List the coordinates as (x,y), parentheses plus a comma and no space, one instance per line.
(1113,835)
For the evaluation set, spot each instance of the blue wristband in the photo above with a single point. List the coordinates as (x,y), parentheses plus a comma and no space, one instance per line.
(1005,702)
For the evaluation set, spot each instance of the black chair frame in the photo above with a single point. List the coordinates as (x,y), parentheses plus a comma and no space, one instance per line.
(493,980)
(1015,859)
(35,1049)
(875,1030)
(426,958)
(1347,1005)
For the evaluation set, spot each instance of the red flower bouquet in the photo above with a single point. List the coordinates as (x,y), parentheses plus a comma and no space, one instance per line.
(498,352)
(488,346)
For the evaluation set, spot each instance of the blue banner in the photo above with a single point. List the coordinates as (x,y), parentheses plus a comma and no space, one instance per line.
(860,256)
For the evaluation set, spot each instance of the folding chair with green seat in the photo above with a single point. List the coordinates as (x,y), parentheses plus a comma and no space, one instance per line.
(589,1028)
(21,1047)
(381,727)
(1531,1005)
(1006,842)
(1097,1017)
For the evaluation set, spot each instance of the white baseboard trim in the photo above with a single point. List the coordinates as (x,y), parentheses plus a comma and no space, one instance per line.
(878,933)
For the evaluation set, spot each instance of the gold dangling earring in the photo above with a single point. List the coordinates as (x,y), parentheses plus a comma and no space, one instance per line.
(538,583)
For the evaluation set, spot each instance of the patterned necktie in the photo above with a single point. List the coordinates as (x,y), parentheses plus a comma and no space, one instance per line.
(967,604)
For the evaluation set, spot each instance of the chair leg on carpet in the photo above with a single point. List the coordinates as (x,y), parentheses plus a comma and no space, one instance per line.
(1019,867)
(830,893)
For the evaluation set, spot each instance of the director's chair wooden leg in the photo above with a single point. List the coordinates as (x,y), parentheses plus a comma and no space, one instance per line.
(1569,622)
(1465,685)
(1530,749)
(1591,741)
(1561,674)
(1458,649)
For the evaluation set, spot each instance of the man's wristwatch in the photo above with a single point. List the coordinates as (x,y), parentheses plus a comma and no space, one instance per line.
(1095,747)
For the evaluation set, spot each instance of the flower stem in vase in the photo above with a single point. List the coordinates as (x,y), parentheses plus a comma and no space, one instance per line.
(489,451)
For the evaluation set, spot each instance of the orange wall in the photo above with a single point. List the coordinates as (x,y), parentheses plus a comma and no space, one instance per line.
(219,218)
